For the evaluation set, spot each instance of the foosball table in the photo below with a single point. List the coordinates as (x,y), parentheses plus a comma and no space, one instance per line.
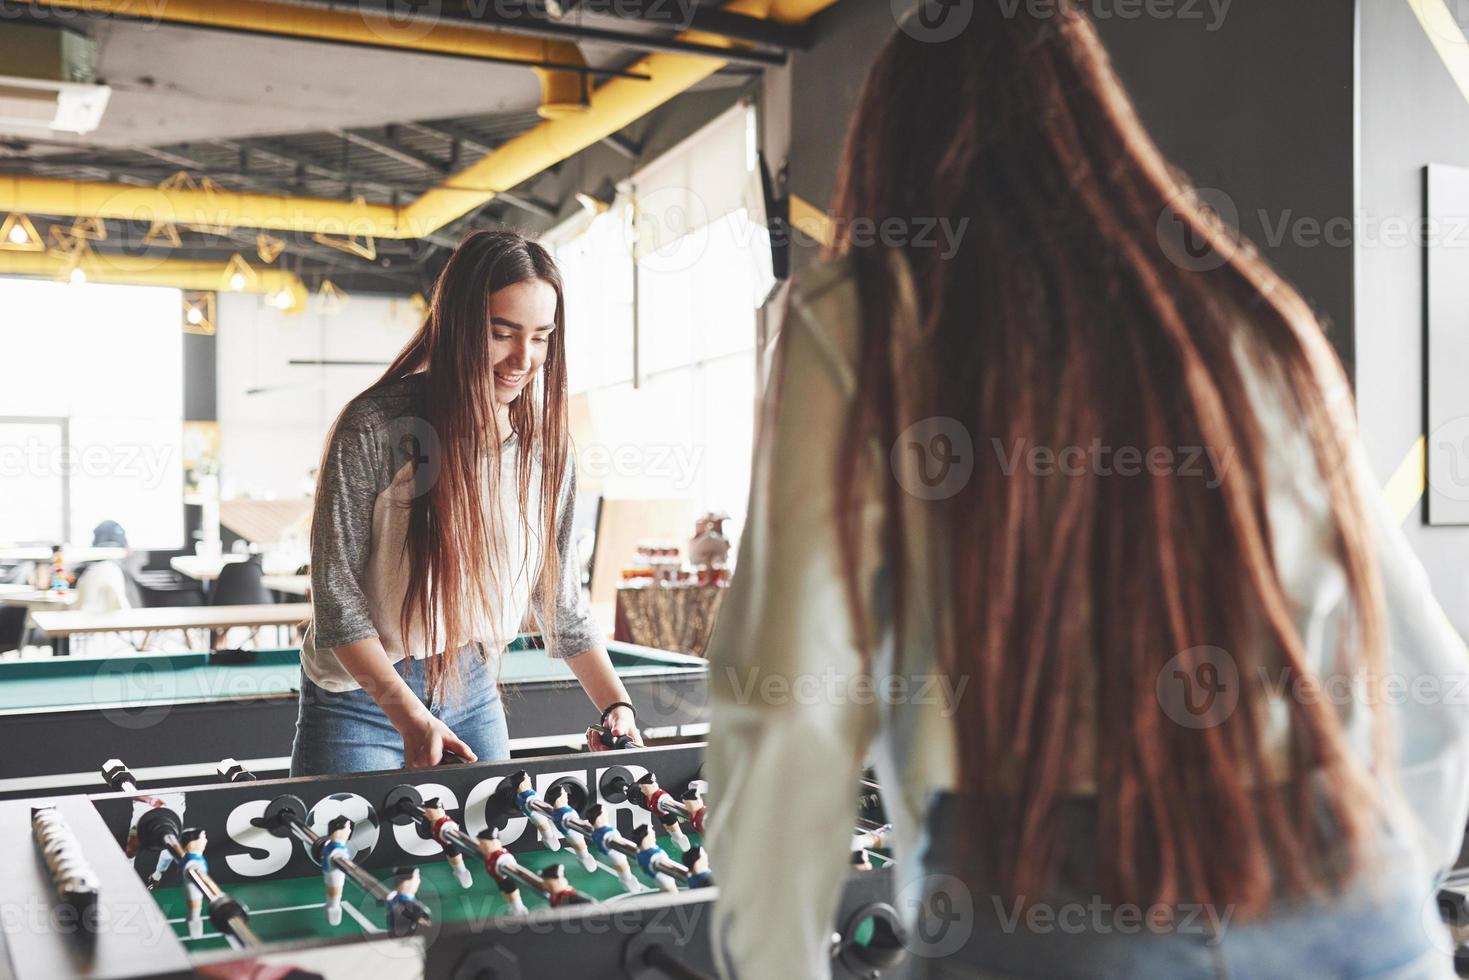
(586,865)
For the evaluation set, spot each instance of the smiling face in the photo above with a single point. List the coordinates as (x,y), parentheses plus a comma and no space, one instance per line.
(522,318)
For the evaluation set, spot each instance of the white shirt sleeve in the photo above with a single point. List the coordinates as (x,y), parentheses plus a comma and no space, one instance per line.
(1427,668)
(787,738)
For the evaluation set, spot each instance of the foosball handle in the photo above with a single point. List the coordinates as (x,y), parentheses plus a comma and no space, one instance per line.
(609,741)
(117,775)
(155,825)
(232,772)
(394,808)
(278,814)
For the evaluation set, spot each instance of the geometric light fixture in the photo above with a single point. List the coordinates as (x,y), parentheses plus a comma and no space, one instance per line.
(18,234)
(362,246)
(238,276)
(185,181)
(163,233)
(198,309)
(268,247)
(91,229)
(333,297)
(62,243)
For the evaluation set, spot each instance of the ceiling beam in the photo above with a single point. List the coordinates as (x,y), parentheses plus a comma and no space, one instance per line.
(393,151)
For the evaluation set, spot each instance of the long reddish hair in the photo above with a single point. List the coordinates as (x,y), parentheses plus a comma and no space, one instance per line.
(456,566)
(1061,320)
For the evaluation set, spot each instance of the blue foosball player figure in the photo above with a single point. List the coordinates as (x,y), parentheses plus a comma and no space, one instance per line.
(649,853)
(338,833)
(698,864)
(404,910)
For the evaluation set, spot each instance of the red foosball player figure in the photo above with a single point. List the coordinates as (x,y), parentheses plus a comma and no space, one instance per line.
(693,801)
(574,840)
(403,909)
(338,833)
(649,853)
(602,838)
(698,864)
(524,794)
(653,797)
(554,875)
(860,861)
(496,860)
(194,840)
(439,822)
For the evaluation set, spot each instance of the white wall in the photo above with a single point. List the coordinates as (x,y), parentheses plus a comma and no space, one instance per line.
(270,440)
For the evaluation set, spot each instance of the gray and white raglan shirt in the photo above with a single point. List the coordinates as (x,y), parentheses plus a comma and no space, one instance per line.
(359,558)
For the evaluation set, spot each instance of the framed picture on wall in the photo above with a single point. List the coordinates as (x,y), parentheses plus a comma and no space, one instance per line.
(1446,344)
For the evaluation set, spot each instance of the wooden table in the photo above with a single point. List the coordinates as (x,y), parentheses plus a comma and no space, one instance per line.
(62,626)
(289,584)
(72,555)
(202,569)
(39,598)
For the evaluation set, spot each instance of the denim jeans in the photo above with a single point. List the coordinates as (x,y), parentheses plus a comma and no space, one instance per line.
(1384,926)
(348,732)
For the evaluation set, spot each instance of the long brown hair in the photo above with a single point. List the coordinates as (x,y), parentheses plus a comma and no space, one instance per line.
(455,564)
(1060,320)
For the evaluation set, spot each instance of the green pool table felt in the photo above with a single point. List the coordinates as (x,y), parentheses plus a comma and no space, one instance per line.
(68,682)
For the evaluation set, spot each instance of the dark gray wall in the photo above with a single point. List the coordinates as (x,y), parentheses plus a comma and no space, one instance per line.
(1259,108)
(1412,114)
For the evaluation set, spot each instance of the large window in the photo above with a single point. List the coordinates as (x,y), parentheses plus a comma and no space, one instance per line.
(90,412)
(662,296)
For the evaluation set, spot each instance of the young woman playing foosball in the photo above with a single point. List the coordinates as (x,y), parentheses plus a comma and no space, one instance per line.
(1070,532)
(443,514)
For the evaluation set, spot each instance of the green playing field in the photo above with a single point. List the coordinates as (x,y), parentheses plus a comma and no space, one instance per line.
(287,909)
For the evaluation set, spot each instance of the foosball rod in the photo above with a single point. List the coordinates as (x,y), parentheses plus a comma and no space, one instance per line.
(617,842)
(400,801)
(159,829)
(286,811)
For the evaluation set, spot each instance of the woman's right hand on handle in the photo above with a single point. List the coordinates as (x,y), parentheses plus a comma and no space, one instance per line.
(426,738)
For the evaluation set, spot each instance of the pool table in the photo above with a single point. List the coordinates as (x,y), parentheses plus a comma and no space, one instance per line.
(174,716)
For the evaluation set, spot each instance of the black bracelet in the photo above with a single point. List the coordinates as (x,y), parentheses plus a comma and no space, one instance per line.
(614,706)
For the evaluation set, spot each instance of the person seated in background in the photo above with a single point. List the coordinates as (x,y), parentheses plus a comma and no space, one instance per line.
(1127,716)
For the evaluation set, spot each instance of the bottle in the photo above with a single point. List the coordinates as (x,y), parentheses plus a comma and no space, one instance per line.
(59,580)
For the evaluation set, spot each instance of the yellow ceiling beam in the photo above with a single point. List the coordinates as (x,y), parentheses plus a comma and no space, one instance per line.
(129,270)
(199,206)
(614,105)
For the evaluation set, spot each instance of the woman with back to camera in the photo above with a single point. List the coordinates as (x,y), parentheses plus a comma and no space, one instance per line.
(443,514)
(1137,759)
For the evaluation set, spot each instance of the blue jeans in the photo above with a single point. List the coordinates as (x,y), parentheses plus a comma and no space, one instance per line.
(1376,929)
(348,732)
